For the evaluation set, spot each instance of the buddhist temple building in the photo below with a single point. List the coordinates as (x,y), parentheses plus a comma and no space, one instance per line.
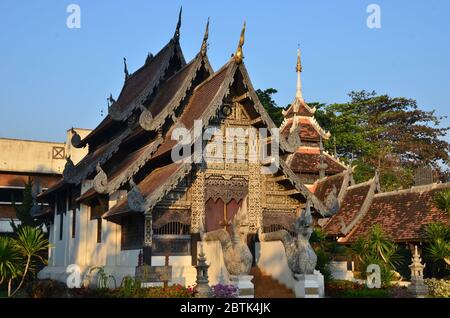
(129,196)
(137,192)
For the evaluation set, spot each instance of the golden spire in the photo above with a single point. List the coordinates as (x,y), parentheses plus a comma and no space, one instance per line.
(299,94)
(239,56)
(177,30)
(299,63)
(205,40)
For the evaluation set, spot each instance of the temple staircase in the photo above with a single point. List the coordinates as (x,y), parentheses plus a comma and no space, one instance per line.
(267,287)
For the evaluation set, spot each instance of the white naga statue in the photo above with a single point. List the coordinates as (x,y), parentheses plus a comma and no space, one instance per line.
(301,257)
(236,254)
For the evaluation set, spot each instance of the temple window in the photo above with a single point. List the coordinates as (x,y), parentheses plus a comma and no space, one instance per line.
(132,231)
(11,194)
(74,220)
(171,231)
(61,223)
(99,230)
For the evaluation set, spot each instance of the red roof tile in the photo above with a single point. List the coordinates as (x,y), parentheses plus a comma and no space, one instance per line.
(402,214)
(303,110)
(152,182)
(306,161)
(349,208)
(325,186)
(198,104)
(135,85)
(169,89)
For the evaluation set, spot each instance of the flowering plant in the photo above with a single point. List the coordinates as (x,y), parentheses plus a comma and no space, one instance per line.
(438,287)
(224,291)
(174,291)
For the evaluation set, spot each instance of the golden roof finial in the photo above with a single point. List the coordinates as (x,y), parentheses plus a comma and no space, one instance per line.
(177,30)
(299,63)
(298,94)
(205,40)
(239,56)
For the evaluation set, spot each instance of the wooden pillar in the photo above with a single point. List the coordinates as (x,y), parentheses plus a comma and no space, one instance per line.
(148,232)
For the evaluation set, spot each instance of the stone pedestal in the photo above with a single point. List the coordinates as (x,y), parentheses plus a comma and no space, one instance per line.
(418,288)
(339,270)
(309,286)
(244,285)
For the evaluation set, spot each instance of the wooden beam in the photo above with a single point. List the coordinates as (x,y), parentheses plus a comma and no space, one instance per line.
(240,98)
(278,179)
(256,120)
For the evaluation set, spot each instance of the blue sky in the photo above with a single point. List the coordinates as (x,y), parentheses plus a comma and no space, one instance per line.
(53,78)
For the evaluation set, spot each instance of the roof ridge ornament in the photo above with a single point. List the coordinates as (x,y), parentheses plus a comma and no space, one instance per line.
(75,139)
(125,68)
(204,47)
(322,165)
(299,69)
(135,198)
(239,56)
(148,58)
(146,119)
(111,100)
(69,170)
(176,35)
(100,180)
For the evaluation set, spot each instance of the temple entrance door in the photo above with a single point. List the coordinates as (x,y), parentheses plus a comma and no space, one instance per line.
(219,215)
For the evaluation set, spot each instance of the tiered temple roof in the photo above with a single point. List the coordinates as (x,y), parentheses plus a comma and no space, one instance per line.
(301,127)
(130,150)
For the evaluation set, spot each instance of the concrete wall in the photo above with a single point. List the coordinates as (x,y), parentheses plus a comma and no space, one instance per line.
(21,159)
(37,156)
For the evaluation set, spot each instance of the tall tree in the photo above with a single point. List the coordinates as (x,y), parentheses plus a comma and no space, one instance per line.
(23,209)
(387,133)
(275,112)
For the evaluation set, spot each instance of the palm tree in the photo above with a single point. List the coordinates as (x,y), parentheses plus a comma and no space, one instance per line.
(442,200)
(29,244)
(377,248)
(380,245)
(438,247)
(9,259)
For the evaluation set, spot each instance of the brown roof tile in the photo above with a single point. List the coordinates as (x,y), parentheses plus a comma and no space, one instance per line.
(136,85)
(169,89)
(350,207)
(325,186)
(402,214)
(305,160)
(198,104)
(139,80)
(307,131)
(303,111)
(152,182)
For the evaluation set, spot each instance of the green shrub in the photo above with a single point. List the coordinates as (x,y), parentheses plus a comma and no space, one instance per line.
(335,288)
(365,293)
(48,289)
(438,287)
(377,248)
(174,291)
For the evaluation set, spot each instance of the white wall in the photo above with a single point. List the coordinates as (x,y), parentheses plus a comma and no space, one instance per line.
(271,259)
(37,156)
